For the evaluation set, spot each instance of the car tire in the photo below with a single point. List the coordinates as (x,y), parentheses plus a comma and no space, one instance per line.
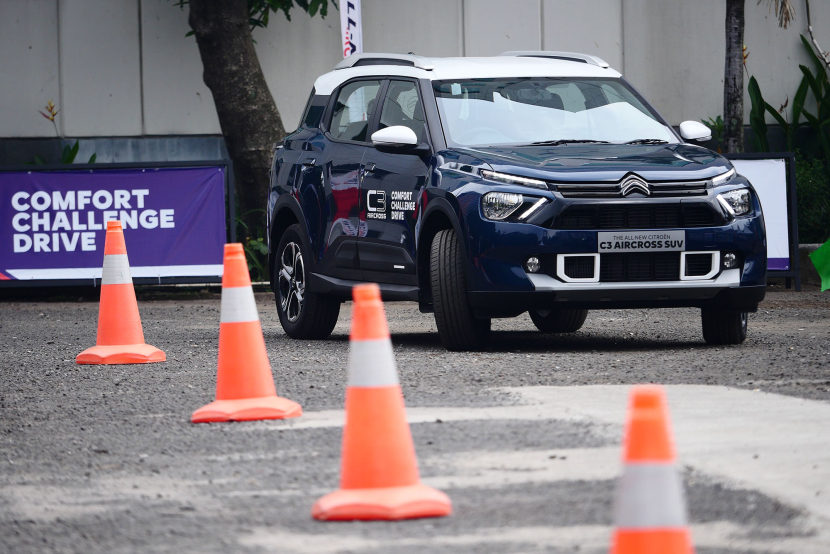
(722,327)
(303,315)
(458,327)
(558,320)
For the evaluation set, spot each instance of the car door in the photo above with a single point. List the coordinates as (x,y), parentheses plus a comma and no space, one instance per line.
(390,191)
(346,136)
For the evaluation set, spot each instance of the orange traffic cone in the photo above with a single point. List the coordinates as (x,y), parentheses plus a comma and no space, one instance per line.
(245,388)
(379,472)
(120,338)
(650,508)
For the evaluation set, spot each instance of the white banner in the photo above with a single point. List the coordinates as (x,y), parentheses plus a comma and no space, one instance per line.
(769,177)
(351,27)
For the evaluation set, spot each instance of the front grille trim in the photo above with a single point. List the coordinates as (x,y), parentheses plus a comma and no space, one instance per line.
(614,190)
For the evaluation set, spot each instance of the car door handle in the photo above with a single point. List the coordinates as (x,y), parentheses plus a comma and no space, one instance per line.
(369,169)
(309,163)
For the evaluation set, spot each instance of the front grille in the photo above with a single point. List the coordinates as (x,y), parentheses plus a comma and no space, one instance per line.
(698,264)
(637,216)
(639,266)
(700,216)
(579,267)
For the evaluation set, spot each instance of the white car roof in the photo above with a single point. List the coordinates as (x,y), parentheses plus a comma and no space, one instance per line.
(520,64)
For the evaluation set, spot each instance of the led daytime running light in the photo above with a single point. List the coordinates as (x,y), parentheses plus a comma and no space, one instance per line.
(513,179)
(724,178)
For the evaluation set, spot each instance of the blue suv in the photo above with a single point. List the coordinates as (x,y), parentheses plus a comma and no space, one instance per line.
(537,182)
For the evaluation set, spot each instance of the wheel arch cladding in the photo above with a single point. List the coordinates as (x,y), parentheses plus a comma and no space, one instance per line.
(437,219)
(283,219)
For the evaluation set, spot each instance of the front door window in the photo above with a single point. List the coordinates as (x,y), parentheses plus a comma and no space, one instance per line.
(353,110)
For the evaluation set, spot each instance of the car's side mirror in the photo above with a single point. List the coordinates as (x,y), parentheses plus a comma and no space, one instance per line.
(397,139)
(696,131)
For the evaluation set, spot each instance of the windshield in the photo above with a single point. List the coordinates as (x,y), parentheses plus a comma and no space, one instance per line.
(524,111)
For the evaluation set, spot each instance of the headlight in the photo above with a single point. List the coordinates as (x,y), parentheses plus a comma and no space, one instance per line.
(499,205)
(513,179)
(737,202)
(724,178)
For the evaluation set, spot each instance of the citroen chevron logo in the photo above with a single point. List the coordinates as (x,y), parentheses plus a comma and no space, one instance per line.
(634,184)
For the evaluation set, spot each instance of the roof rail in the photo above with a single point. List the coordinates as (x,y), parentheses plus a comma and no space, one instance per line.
(569,56)
(386,59)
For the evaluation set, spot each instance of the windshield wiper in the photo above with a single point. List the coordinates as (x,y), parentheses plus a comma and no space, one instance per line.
(567,141)
(648,141)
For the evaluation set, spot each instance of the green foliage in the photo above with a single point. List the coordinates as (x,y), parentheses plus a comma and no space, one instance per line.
(813,186)
(820,87)
(256,248)
(716,126)
(259,11)
(756,117)
(68,155)
(798,107)
(256,253)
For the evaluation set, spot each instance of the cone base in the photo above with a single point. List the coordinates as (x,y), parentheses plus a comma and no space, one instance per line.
(247,409)
(388,503)
(652,541)
(121,354)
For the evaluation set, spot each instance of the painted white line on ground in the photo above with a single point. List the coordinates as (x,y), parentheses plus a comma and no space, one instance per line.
(585,538)
(335,418)
(776,444)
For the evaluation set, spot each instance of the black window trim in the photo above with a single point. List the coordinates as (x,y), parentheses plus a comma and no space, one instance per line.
(307,108)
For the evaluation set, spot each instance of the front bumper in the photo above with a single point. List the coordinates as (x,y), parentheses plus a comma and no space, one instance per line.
(499,285)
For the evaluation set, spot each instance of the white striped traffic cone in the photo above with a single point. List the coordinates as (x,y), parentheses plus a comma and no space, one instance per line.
(245,388)
(379,471)
(120,337)
(650,508)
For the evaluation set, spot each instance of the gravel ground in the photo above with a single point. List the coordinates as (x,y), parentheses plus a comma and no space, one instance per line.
(104,459)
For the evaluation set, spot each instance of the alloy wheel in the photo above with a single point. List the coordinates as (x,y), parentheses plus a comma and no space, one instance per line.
(292,281)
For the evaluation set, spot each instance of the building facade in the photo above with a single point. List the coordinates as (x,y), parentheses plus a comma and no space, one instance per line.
(128,82)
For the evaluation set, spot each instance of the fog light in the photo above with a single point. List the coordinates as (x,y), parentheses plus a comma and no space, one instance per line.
(533,264)
(730,260)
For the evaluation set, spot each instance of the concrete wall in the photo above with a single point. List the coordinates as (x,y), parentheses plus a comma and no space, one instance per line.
(126,69)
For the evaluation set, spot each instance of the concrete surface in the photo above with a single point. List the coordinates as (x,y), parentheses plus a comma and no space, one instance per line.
(523,437)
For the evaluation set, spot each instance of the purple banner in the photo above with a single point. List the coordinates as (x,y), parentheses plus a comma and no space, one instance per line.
(52,223)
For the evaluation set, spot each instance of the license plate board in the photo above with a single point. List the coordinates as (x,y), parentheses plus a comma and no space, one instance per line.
(641,241)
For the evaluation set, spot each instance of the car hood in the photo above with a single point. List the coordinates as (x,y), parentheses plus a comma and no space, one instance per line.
(602,162)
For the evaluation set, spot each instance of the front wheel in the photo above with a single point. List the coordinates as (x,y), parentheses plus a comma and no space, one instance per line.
(558,320)
(303,314)
(458,327)
(722,327)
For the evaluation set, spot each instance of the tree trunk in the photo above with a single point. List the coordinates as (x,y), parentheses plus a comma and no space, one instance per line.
(247,112)
(733,78)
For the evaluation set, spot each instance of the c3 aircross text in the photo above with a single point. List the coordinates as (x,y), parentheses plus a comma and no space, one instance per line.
(537,182)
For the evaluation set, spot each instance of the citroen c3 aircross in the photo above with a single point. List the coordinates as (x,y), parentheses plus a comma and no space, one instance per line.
(482,188)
